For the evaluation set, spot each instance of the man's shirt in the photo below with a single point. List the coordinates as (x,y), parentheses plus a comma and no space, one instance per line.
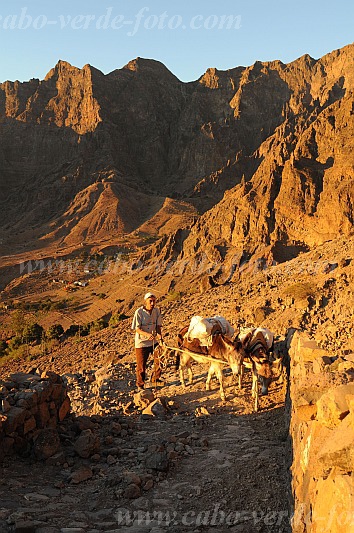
(143,320)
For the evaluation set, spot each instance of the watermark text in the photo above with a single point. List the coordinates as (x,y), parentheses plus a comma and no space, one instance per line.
(144,19)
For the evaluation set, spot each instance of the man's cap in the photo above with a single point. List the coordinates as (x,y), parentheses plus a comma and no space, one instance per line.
(149,295)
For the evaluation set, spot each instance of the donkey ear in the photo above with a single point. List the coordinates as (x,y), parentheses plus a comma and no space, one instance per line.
(238,345)
(247,339)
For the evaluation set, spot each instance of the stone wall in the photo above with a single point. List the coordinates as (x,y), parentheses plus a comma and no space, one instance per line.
(321,403)
(30,408)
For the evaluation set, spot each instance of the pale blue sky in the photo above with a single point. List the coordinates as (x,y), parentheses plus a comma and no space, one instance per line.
(187,36)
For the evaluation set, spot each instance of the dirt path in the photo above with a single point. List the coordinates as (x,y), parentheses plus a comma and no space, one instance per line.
(230,485)
(226,467)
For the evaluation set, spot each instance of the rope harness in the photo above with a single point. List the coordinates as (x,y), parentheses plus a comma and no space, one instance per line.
(199,357)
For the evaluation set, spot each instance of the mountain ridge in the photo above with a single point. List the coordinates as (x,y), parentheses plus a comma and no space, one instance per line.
(278,136)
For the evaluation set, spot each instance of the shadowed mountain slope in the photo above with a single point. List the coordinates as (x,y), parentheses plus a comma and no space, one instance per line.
(89,157)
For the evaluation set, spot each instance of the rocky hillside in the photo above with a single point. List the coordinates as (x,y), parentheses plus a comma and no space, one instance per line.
(87,157)
(312,292)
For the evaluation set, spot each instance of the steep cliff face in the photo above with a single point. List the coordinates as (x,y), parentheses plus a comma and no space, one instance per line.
(64,98)
(301,193)
(82,153)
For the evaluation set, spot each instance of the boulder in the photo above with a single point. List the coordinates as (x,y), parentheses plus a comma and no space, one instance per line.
(156,409)
(332,407)
(15,417)
(332,509)
(339,449)
(157,460)
(87,444)
(132,492)
(81,474)
(64,409)
(143,398)
(46,444)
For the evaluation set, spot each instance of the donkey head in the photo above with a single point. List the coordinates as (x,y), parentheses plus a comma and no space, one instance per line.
(267,372)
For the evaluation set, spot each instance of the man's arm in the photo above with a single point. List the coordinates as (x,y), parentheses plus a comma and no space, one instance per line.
(150,336)
(159,332)
(145,334)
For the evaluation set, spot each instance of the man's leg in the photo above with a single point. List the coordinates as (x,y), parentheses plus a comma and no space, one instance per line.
(140,367)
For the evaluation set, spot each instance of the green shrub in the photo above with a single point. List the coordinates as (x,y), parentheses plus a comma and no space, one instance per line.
(33,332)
(14,343)
(43,305)
(13,354)
(84,330)
(59,304)
(55,331)
(3,348)
(116,318)
(18,322)
(97,325)
(72,330)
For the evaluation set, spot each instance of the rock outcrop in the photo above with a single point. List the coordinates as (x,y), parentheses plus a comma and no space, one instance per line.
(31,408)
(322,433)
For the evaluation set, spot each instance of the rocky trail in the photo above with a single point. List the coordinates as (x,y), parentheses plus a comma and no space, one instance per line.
(194,464)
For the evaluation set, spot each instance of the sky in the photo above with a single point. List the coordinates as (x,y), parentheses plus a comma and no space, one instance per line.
(188,36)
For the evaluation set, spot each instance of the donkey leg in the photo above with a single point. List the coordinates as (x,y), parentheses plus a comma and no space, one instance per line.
(254,385)
(255,392)
(237,370)
(210,375)
(219,375)
(256,402)
(182,365)
(181,377)
(240,372)
(188,364)
(190,374)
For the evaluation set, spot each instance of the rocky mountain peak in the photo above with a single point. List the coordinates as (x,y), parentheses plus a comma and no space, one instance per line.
(149,67)
(62,68)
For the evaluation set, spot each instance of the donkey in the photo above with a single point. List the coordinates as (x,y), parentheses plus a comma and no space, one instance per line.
(258,344)
(221,349)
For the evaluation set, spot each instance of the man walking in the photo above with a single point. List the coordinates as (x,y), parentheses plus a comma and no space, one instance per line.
(147,325)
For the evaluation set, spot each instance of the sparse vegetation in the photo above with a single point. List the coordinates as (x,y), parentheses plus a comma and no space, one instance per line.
(147,238)
(101,295)
(14,353)
(173,296)
(18,322)
(116,318)
(3,347)
(14,343)
(33,332)
(83,330)
(72,330)
(84,256)
(45,305)
(55,331)
(301,290)
(97,325)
